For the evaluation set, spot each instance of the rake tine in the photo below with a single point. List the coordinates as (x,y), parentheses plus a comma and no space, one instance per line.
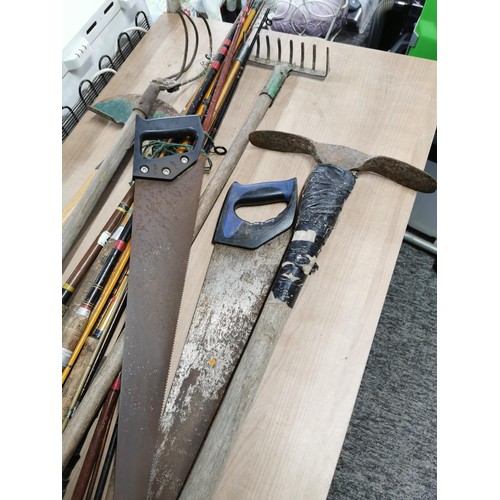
(301,67)
(257,49)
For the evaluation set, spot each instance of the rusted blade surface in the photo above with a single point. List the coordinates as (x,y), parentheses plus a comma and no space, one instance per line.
(397,171)
(235,287)
(323,153)
(164,216)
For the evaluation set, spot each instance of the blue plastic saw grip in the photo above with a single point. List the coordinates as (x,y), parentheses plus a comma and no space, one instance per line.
(232,230)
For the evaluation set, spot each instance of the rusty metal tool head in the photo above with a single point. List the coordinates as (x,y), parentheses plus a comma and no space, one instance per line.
(398,171)
(118,109)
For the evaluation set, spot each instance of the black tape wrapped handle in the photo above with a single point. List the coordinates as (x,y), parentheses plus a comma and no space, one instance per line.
(322,200)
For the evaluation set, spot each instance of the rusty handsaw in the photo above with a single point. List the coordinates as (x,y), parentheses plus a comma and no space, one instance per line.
(167,190)
(244,262)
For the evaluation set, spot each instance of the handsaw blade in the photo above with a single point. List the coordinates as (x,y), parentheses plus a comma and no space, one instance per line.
(164,217)
(235,287)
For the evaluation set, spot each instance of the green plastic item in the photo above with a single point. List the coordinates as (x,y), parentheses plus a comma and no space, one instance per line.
(426,30)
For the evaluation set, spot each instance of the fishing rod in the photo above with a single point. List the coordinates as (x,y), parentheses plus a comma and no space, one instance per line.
(244,23)
(96,443)
(103,355)
(234,77)
(207,122)
(73,328)
(194,103)
(75,458)
(122,261)
(106,467)
(102,278)
(94,345)
(97,245)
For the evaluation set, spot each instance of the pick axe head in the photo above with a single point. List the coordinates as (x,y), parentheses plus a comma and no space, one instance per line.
(351,159)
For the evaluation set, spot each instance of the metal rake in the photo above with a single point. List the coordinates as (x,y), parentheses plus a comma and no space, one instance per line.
(299,68)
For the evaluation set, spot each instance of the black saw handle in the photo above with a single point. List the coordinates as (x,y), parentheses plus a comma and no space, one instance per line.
(234,231)
(184,131)
(324,194)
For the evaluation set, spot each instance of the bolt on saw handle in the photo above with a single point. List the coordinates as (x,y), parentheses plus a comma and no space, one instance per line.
(234,231)
(324,194)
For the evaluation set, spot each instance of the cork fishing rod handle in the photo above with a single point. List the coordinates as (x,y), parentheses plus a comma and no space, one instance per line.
(322,200)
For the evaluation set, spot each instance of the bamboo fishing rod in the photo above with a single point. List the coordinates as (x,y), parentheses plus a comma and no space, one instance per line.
(76,277)
(73,388)
(108,288)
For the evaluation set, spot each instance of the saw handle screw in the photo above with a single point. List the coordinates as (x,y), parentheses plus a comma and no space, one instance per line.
(184,159)
(144,169)
(166,171)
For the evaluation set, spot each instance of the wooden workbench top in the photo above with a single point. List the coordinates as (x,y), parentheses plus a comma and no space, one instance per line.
(376,102)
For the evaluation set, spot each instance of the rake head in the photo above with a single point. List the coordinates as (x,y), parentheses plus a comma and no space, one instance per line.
(299,68)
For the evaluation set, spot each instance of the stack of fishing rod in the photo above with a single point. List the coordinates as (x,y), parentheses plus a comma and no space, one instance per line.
(95,294)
